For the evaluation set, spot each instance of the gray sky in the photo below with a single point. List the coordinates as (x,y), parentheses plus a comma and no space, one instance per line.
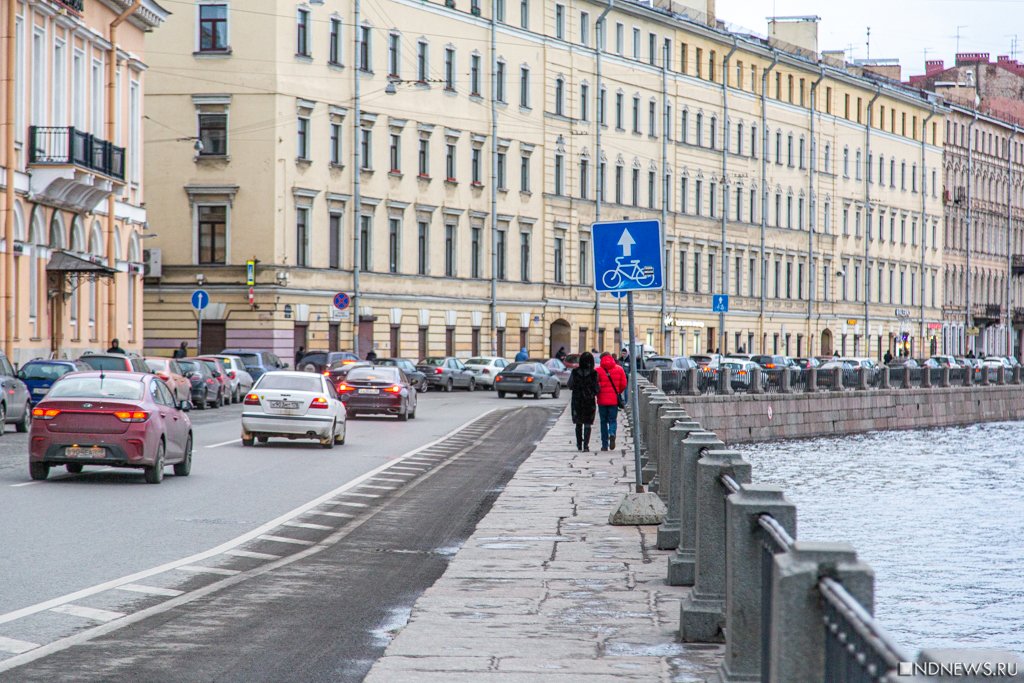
(900,29)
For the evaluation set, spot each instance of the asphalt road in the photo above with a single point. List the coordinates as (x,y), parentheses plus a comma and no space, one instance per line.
(86,550)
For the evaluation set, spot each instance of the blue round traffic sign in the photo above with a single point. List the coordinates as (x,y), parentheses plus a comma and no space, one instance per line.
(341,301)
(200,299)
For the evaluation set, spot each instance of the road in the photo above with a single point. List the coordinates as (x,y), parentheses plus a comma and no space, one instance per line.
(100,554)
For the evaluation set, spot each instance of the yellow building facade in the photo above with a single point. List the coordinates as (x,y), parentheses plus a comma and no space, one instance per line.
(488,139)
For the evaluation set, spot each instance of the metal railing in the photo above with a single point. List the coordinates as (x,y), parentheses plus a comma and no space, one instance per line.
(856,647)
(57,145)
(76,5)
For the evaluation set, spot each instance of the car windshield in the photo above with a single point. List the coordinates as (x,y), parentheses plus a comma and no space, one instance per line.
(521,367)
(290,383)
(249,358)
(97,387)
(156,365)
(432,361)
(105,362)
(378,374)
(478,361)
(659,362)
(44,371)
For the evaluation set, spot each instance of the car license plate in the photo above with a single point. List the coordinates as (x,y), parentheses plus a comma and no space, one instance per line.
(40,390)
(369,391)
(84,452)
(285,405)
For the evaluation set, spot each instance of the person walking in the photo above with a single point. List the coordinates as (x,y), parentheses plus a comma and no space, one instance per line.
(181,351)
(371,355)
(561,353)
(298,356)
(611,382)
(887,358)
(522,355)
(115,346)
(584,385)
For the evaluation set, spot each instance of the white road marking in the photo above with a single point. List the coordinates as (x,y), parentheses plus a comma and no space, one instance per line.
(284,539)
(363,495)
(351,505)
(16,647)
(225,443)
(251,554)
(26,483)
(307,525)
(88,612)
(381,488)
(199,569)
(397,481)
(150,590)
(409,469)
(331,514)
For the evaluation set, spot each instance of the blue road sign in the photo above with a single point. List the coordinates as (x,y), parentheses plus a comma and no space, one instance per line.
(627,255)
(200,299)
(720,303)
(341,301)
(250,273)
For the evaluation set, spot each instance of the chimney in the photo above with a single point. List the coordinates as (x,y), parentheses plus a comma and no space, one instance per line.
(794,32)
(711,12)
(835,58)
(964,58)
(934,66)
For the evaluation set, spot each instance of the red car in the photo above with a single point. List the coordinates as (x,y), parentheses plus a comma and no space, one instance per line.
(120,419)
(220,374)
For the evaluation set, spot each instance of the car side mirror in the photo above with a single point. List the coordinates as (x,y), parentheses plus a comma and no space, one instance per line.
(185,406)
(188,374)
(216,374)
(231,374)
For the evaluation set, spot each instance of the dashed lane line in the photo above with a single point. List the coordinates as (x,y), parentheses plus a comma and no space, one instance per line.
(326,513)
(16,647)
(253,555)
(199,569)
(285,539)
(224,443)
(103,615)
(363,495)
(307,525)
(149,590)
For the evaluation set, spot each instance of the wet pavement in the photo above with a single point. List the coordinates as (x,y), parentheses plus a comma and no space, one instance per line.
(546,590)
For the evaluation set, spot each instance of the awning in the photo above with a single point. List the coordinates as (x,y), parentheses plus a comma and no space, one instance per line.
(63,262)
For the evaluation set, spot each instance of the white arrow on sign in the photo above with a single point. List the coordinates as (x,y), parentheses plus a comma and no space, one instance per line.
(626,242)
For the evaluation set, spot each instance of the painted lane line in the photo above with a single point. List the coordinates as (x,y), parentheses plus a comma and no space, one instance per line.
(394,481)
(27,483)
(150,590)
(325,513)
(224,443)
(409,469)
(379,488)
(307,525)
(351,505)
(199,569)
(284,539)
(363,495)
(250,554)
(15,646)
(88,612)
(223,547)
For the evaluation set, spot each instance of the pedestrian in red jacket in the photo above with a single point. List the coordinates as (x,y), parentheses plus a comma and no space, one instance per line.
(611,383)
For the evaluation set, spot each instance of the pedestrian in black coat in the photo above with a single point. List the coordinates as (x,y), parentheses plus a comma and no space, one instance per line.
(584,386)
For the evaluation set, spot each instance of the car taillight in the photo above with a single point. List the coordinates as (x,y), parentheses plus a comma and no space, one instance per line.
(529,379)
(438,371)
(344,388)
(393,389)
(131,415)
(251,400)
(327,373)
(770,366)
(486,371)
(742,372)
(319,402)
(44,413)
(498,378)
(163,375)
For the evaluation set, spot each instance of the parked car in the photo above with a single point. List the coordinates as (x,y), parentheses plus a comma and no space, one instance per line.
(996,362)
(205,387)
(707,363)
(903,362)
(740,372)
(673,367)
(527,377)
(807,363)
(123,420)
(171,373)
(945,361)
(320,361)
(417,378)
(486,368)
(256,362)
(241,380)
(15,401)
(219,374)
(557,369)
(379,389)
(40,374)
(115,361)
(293,405)
(739,356)
(447,373)
(339,369)
(930,363)
(771,361)
(572,361)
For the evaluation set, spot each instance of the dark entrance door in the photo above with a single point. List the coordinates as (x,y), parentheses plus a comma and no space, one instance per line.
(214,339)
(332,337)
(365,336)
(300,334)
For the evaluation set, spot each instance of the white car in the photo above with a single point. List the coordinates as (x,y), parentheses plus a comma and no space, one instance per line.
(486,368)
(293,405)
(239,378)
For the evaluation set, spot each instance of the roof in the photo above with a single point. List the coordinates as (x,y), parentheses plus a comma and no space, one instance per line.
(65,262)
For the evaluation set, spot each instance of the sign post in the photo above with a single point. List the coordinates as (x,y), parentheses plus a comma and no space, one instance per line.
(627,257)
(200,300)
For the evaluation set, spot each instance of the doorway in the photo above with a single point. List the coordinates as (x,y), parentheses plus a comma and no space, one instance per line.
(560,336)
(826,342)
(300,335)
(214,338)
(365,335)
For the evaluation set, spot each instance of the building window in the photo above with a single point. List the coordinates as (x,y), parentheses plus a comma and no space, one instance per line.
(364,242)
(524,13)
(584,28)
(618,110)
(474,165)
(449,250)
(584,261)
(212,225)
(584,178)
(395,153)
(500,250)
(618,184)
(559,174)
(636,187)
(334,52)
(394,231)
(684,127)
(652,119)
(524,256)
(524,87)
(366,149)
(424,158)
(560,22)
(213,134)
(700,129)
(302,33)
(524,173)
(499,82)
(422,246)
(213,28)
(365,49)
(335,240)
(499,13)
(422,61)
(636,114)
(449,162)
(698,197)
(302,236)
(559,259)
(302,142)
(474,75)
(559,96)
(449,69)
(394,55)
(501,176)
(336,144)
(584,102)
(651,192)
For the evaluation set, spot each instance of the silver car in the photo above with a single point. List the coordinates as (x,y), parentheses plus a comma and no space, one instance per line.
(527,377)
(239,378)
(446,372)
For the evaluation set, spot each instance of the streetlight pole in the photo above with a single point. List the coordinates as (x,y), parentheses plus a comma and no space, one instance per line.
(867,232)
(724,265)
(764,192)
(494,182)
(357,197)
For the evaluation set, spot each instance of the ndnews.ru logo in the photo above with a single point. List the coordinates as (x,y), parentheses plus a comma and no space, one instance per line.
(958,669)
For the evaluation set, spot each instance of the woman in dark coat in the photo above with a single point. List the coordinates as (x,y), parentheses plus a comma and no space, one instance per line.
(584,385)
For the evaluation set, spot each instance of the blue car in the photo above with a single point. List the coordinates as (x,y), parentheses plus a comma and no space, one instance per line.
(39,375)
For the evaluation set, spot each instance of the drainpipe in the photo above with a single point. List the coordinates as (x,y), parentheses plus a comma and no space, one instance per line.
(599,194)
(764,190)
(494,183)
(665,123)
(725,194)
(7,322)
(812,218)
(1010,351)
(357,197)
(969,341)
(924,227)
(866,233)
(111,201)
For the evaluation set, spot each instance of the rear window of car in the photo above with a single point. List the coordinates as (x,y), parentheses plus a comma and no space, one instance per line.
(290,383)
(521,367)
(106,363)
(248,358)
(155,365)
(478,361)
(44,370)
(657,362)
(188,365)
(377,374)
(212,365)
(97,387)
(432,361)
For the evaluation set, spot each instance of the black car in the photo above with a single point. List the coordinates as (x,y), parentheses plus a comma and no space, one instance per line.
(673,371)
(378,389)
(320,361)
(205,387)
(256,362)
(416,377)
(340,368)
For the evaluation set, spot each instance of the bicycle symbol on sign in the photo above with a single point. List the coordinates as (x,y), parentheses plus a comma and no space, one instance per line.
(630,271)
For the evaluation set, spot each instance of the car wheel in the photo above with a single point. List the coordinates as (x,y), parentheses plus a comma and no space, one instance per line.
(263,439)
(220,399)
(73,467)
(309,367)
(155,472)
(472,385)
(404,415)
(450,385)
(351,415)
(199,406)
(328,442)
(183,468)
(412,415)
(536,394)
(38,470)
(3,418)
(557,391)
(247,439)
(26,420)
(422,386)
(501,394)
(519,394)
(339,439)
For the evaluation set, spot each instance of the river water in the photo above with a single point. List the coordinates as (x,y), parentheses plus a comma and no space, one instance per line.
(938,514)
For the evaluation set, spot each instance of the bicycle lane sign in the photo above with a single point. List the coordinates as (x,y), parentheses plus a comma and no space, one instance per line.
(627,255)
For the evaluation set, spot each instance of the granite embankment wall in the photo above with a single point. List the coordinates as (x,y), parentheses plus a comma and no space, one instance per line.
(743,418)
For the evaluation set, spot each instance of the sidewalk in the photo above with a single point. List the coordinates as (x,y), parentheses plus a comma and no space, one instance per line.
(546,590)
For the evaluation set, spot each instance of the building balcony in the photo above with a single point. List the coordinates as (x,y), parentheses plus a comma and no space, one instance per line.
(1018,316)
(1017,264)
(73,169)
(987,314)
(74,5)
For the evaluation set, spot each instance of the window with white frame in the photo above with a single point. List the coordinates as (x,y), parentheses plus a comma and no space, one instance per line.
(335,45)
(302,236)
(560,22)
(365,49)
(474,75)
(449,69)
(211,233)
(302,138)
(422,61)
(524,87)
(394,55)
(302,38)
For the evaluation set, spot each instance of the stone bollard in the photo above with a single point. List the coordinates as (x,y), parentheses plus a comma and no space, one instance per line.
(797,650)
(668,531)
(1001,375)
(936,659)
(837,380)
(682,565)
(756,381)
(926,378)
(905,384)
(725,382)
(944,382)
(658,455)
(745,552)
(862,378)
(812,380)
(656,377)
(785,379)
(884,382)
(648,422)
(984,376)
(968,375)
(702,613)
(692,388)
(1017,374)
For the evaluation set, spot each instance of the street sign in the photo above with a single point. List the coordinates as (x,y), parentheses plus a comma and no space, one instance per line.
(851,322)
(200,299)
(252,295)
(627,255)
(972,331)
(720,303)
(250,273)
(341,301)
